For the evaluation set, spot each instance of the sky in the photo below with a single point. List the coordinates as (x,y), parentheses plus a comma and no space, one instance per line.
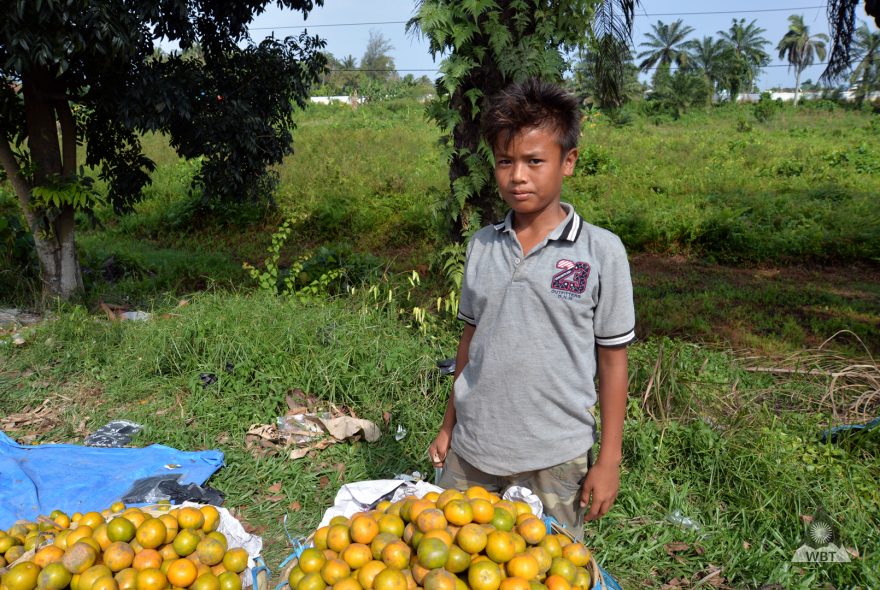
(346,26)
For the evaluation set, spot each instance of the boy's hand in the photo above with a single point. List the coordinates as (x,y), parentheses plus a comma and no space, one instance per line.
(439,448)
(600,489)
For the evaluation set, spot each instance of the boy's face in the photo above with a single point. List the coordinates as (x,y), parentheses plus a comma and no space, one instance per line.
(530,169)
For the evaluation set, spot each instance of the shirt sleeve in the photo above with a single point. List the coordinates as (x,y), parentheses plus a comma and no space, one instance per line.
(466,311)
(614,320)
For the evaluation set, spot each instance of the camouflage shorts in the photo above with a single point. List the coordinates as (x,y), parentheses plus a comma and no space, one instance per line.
(558,487)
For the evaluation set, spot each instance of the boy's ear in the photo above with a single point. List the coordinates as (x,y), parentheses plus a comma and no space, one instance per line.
(568,162)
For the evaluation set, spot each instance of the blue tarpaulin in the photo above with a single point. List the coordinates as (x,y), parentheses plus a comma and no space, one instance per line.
(37,479)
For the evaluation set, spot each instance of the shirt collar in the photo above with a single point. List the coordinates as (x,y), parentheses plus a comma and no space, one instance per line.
(568,229)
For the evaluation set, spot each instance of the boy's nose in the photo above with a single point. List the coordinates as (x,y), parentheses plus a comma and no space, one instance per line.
(519,172)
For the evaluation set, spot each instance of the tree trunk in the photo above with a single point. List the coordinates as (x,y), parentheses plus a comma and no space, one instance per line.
(53,231)
(797,85)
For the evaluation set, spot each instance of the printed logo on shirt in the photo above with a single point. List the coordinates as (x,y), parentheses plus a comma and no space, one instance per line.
(571,281)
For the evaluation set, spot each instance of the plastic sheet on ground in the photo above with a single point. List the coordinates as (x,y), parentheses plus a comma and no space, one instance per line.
(37,479)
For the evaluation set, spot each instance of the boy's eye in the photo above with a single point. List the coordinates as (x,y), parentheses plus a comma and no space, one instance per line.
(535,161)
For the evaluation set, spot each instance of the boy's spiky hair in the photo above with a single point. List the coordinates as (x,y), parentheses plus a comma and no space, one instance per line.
(532,104)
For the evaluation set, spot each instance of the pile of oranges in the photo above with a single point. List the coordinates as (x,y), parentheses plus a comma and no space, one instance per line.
(448,541)
(121,549)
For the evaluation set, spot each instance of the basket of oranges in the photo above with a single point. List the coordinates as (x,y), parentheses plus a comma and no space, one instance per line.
(449,540)
(193,547)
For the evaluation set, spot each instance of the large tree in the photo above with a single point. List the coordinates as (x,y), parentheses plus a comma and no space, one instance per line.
(377,63)
(488,44)
(710,57)
(800,49)
(747,53)
(87,71)
(665,45)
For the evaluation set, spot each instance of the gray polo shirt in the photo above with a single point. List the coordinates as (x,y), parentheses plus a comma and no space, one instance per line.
(524,400)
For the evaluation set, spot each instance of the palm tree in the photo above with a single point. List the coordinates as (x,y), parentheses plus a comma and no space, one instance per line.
(866,51)
(747,46)
(665,45)
(842,22)
(800,49)
(708,55)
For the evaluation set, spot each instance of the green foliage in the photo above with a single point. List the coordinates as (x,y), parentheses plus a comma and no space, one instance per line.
(78,193)
(487,45)
(766,108)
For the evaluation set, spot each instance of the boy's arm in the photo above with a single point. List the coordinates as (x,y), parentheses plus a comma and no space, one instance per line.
(440,447)
(603,479)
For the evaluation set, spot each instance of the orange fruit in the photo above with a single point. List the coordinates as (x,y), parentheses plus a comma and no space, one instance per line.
(219,536)
(472,538)
(236,560)
(416,507)
(441,534)
(78,558)
(335,570)
(459,512)
(185,542)
(368,572)
(338,537)
(80,532)
(577,553)
(311,581)
(14,553)
(477,492)
(502,519)
(500,547)
(171,527)
(126,579)
(439,579)
(560,566)
(551,544)
(357,555)
(321,537)
(482,510)
(519,543)
(206,581)
(212,518)
(117,506)
(151,579)
(379,543)
(363,530)
(167,552)
(433,553)
(431,519)
(583,579)
(311,560)
(542,557)
(229,581)
(147,559)
(210,551)
(522,565)
(418,572)
(100,535)
(446,496)
(135,516)
(120,529)
(105,583)
(151,533)
(22,576)
(390,579)
(53,577)
(118,556)
(514,583)
(216,569)
(294,576)
(396,555)
(458,561)
(390,523)
(182,573)
(532,529)
(92,519)
(48,554)
(484,575)
(89,576)
(348,583)
(190,518)
(555,582)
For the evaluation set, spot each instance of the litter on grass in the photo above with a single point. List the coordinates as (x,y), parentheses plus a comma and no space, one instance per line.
(115,434)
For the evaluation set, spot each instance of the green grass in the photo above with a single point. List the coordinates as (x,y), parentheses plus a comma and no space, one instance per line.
(737,452)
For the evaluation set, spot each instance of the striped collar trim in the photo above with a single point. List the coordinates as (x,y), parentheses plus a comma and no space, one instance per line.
(569,230)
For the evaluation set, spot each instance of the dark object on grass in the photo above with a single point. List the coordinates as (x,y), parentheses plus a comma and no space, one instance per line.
(229,367)
(846,431)
(117,433)
(167,487)
(208,379)
(446,366)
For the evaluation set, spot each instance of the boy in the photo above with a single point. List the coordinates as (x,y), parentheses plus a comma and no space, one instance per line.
(547,305)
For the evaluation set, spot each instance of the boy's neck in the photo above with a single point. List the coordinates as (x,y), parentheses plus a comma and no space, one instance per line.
(539,223)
